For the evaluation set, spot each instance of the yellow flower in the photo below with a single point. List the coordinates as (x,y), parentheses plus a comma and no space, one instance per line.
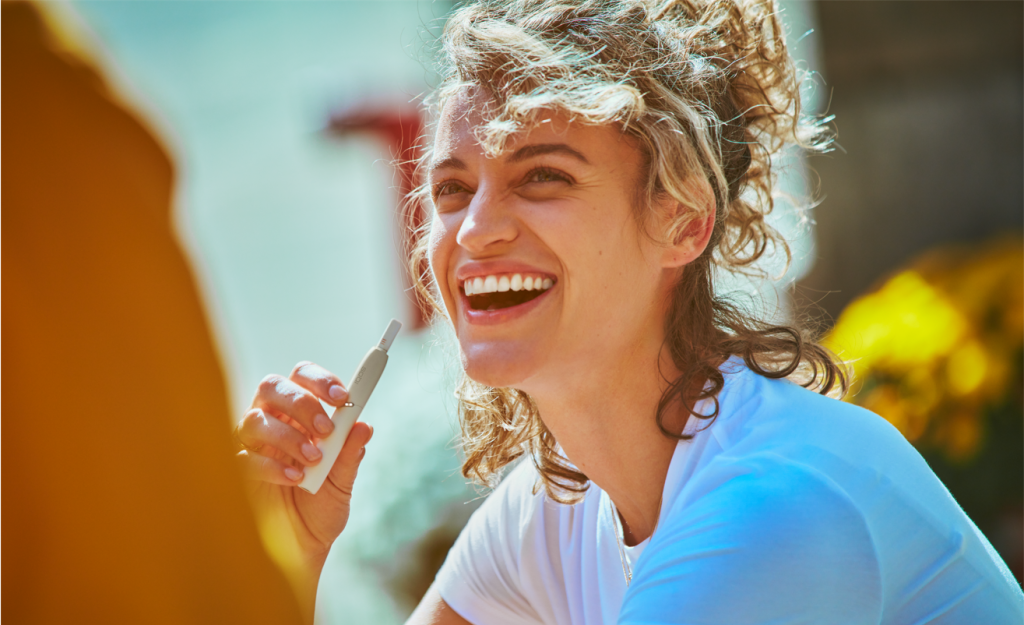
(966,368)
(905,324)
(938,342)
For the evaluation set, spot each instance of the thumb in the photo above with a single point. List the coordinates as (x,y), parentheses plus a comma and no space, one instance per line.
(343,474)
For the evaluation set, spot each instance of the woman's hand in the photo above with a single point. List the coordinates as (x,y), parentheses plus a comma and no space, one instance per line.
(279,433)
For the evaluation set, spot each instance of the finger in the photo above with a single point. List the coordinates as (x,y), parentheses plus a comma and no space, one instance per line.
(266,469)
(257,430)
(320,382)
(276,394)
(343,473)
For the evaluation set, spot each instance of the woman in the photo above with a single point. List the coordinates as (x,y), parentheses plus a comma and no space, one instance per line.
(591,167)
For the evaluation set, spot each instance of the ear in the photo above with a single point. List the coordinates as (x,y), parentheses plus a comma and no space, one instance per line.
(694,240)
(691,244)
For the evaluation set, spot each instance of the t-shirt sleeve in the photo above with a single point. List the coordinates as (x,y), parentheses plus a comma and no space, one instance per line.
(767,541)
(480,578)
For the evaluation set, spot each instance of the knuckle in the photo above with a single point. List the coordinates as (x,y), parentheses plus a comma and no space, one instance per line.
(342,489)
(308,404)
(252,418)
(299,366)
(248,426)
(269,384)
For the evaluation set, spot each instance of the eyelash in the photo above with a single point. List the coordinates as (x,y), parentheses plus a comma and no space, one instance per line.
(440,186)
(553,173)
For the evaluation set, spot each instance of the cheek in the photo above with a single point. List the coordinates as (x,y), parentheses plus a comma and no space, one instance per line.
(434,245)
(440,244)
(611,262)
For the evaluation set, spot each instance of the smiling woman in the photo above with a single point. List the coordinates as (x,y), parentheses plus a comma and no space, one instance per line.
(591,166)
(594,122)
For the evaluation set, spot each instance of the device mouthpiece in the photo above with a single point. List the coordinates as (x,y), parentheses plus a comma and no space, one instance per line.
(390,334)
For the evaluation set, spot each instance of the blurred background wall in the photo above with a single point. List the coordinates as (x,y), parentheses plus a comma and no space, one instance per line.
(924,208)
(928,104)
(289,215)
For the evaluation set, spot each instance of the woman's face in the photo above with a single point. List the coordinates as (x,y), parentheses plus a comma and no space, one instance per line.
(552,212)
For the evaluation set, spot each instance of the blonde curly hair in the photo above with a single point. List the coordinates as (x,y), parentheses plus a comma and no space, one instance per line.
(706,88)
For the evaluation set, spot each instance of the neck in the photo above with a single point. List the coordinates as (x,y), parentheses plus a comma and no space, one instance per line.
(603,417)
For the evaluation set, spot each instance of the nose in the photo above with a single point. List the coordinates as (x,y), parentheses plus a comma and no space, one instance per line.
(489,222)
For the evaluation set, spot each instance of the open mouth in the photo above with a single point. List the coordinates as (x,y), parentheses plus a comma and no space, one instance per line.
(496,292)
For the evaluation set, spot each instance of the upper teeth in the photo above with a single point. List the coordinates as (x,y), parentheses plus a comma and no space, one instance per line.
(501,283)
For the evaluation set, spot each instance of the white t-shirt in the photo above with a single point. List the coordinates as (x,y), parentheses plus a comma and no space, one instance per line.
(791,508)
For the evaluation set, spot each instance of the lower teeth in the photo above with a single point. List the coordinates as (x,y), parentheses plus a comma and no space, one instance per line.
(497,301)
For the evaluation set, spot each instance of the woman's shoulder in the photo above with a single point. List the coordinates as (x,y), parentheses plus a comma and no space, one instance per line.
(514,505)
(757,414)
(496,527)
(777,425)
(788,535)
(485,577)
(789,471)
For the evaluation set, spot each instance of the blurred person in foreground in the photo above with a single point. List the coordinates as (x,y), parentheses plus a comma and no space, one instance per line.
(591,167)
(121,504)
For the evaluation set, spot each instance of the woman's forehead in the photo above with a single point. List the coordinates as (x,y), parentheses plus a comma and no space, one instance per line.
(460,117)
(463,116)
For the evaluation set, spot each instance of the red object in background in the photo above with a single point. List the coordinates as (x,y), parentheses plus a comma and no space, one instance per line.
(400,127)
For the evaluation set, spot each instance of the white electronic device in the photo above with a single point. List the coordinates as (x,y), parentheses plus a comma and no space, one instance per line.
(359,389)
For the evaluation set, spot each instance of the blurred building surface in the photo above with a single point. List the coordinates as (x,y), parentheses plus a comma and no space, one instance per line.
(929,105)
(122,502)
(293,231)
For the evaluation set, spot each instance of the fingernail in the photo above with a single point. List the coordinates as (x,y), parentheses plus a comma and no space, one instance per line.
(323,424)
(310,452)
(337,393)
(293,474)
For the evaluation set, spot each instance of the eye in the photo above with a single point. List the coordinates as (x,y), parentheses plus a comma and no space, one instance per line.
(448,187)
(545,174)
(449,195)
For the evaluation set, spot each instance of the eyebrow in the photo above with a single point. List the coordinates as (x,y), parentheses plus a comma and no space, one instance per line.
(522,154)
(538,149)
(448,163)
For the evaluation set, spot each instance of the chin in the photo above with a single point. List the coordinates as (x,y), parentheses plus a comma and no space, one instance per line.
(496,365)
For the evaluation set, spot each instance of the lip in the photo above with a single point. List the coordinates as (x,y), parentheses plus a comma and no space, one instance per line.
(504,315)
(493,267)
